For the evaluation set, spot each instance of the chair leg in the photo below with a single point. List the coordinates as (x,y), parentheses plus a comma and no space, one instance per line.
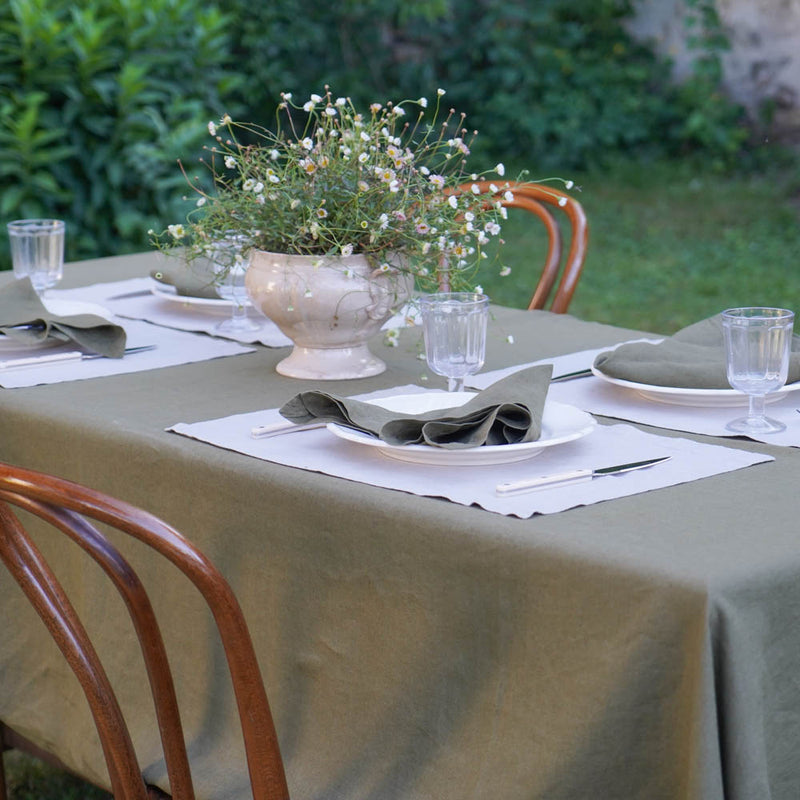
(3,792)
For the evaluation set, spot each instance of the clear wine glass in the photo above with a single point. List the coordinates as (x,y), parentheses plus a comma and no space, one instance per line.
(454,328)
(757,344)
(231,267)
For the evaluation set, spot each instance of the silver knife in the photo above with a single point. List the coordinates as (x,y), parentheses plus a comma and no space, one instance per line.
(71,355)
(570,376)
(575,476)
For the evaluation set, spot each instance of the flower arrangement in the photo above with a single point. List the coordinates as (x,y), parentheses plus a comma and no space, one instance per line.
(330,180)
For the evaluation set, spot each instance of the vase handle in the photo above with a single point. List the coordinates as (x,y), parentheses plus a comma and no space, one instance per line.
(383,292)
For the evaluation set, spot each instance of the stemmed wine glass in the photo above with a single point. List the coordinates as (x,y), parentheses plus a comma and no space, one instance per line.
(231,267)
(757,344)
(454,328)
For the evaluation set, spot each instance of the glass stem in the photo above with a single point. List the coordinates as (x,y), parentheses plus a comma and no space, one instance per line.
(239,313)
(756,406)
(455,384)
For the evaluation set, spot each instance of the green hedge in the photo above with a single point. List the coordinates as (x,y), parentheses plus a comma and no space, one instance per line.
(98,102)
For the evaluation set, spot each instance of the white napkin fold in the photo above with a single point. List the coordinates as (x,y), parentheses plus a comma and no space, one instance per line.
(321,451)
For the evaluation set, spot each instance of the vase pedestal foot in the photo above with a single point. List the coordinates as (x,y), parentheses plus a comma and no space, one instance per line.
(331,363)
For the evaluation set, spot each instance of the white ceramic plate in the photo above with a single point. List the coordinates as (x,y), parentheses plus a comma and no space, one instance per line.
(208,303)
(719,398)
(560,423)
(64,308)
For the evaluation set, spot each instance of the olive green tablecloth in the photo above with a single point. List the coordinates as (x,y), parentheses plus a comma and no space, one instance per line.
(641,649)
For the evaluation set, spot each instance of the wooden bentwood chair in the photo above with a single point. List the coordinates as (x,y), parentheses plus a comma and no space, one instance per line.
(69,507)
(542,201)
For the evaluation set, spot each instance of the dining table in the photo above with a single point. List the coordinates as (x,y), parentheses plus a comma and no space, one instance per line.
(417,641)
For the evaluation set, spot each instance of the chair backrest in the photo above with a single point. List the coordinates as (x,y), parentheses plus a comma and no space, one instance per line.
(543,200)
(71,508)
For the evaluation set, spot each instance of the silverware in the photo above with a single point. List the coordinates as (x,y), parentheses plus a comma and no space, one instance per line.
(278,428)
(126,295)
(574,476)
(71,355)
(569,376)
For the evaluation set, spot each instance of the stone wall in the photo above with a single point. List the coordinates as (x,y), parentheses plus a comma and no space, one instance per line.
(763,63)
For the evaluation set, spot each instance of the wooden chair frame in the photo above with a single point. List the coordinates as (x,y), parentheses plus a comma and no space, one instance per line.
(69,508)
(539,199)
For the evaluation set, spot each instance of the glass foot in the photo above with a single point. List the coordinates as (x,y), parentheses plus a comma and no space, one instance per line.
(755,425)
(239,322)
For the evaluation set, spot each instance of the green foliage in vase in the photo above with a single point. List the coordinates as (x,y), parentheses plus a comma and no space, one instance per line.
(332,180)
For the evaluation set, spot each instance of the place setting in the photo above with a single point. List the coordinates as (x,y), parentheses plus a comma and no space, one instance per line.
(704,379)
(49,335)
(200,296)
(510,448)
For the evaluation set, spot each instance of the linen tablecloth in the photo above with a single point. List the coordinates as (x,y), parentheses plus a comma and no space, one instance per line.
(639,649)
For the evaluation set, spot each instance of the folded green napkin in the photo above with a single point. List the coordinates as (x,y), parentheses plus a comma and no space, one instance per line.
(193,278)
(508,412)
(693,358)
(20,305)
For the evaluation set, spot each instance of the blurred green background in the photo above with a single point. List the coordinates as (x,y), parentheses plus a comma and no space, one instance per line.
(688,210)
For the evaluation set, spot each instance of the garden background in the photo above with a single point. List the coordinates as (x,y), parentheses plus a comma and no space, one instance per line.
(691,208)
(692,204)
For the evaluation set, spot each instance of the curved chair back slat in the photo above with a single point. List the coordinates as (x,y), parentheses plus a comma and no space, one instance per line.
(68,507)
(539,199)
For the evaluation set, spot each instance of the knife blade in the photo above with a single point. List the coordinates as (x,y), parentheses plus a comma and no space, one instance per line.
(70,355)
(573,476)
(571,376)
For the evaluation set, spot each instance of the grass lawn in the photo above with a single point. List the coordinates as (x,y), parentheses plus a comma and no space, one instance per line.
(669,245)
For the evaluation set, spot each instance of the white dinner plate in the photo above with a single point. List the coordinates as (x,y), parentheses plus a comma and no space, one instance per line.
(560,423)
(719,398)
(10,344)
(199,303)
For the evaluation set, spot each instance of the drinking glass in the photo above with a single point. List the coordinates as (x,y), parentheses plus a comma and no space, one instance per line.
(37,251)
(231,267)
(757,345)
(454,328)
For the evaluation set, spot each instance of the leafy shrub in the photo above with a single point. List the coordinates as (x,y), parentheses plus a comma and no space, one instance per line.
(97,101)
(547,83)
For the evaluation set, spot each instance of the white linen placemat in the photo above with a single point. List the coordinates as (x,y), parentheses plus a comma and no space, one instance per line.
(600,397)
(321,451)
(172,348)
(133,299)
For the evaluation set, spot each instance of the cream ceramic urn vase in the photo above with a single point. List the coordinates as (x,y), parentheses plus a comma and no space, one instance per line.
(329,306)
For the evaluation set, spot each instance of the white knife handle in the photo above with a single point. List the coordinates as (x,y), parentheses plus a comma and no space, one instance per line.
(545,482)
(34,361)
(284,426)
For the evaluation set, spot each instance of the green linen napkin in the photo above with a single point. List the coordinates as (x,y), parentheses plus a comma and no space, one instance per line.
(693,358)
(190,278)
(508,412)
(20,305)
